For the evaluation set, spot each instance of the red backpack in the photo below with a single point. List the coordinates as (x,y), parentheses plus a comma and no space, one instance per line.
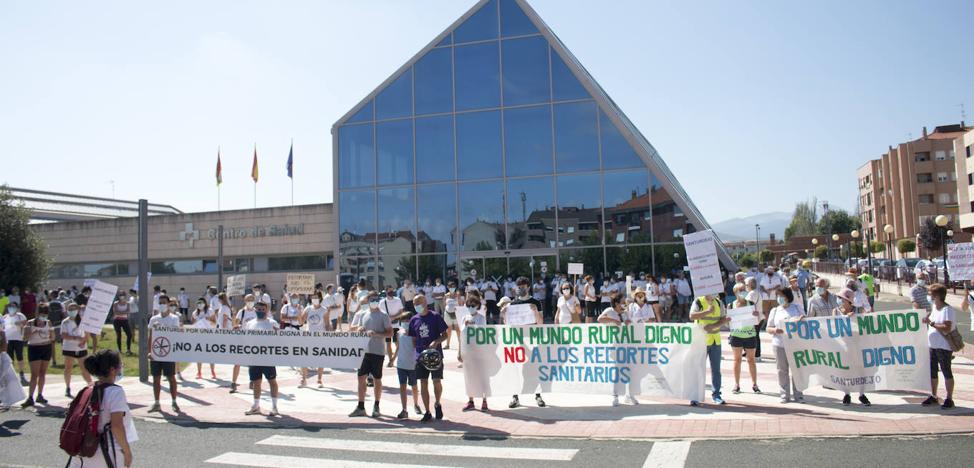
(79,432)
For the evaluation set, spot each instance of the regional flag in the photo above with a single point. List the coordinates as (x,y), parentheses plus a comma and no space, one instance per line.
(253,170)
(219,169)
(290,161)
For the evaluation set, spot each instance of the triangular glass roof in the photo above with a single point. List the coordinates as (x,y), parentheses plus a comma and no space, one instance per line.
(473,37)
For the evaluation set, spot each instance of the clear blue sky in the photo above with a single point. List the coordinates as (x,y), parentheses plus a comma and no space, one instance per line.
(770,102)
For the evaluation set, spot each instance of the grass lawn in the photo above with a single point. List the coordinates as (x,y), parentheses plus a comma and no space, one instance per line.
(129,363)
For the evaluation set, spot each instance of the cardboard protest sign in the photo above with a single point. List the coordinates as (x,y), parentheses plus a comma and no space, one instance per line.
(520,314)
(742,317)
(96,311)
(301,283)
(575,268)
(703,263)
(236,285)
(960,261)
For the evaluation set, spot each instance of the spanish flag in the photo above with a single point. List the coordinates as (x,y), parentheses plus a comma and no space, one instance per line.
(253,170)
(219,169)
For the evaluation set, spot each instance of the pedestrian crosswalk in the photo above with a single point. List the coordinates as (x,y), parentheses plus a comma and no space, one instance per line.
(469,451)
(281,461)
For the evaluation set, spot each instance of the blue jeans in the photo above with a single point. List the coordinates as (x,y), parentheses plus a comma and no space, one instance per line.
(713,354)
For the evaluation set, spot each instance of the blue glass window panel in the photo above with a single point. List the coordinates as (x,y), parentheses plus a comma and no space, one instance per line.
(531,213)
(394,145)
(434,82)
(477,76)
(576,136)
(482,216)
(514,22)
(566,86)
(396,220)
(525,71)
(446,40)
(356,156)
(434,149)
(356,223)
(579,210)
(527,141)
(627,207)
(397,99)
(363,115)
(480,26)
(479,145)
(616,152)
(436,209)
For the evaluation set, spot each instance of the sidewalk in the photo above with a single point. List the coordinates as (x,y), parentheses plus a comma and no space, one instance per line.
(746,415)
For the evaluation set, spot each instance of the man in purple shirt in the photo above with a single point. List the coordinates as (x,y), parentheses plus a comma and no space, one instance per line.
(428,332)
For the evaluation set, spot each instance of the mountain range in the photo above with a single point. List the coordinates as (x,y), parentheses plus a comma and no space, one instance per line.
(738,229)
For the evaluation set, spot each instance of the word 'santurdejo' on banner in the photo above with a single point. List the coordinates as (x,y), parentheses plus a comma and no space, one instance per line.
(297,348)
(877,351)
(664,360)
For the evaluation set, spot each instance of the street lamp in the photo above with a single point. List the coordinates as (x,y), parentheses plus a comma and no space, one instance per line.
(888,229)
(835,238)
(757,239)
(852,241)
(941,222)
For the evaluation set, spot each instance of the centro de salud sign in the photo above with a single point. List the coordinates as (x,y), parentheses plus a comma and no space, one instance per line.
(274,230)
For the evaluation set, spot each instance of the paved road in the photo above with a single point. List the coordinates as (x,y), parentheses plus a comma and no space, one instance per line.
(28,440)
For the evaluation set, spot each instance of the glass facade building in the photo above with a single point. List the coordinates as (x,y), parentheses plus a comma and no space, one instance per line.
(493,152)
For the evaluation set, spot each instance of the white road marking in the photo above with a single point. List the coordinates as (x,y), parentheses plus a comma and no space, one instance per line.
(668,455)
(276,461)
(470,451)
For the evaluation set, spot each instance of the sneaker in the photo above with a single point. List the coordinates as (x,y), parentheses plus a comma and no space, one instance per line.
(515,402)
(470,406)
(931,400)
(304,383)
(67,393)
(250,386)
(427,418)
(736,390)
(694,403)
(252,411)
(403,415)
(438,410)
(718,400)
(948,403)
(865,401)
(274,412)
(417,409)
(846,400)
(483,406)
(631,400)
(359,412)
(540,401)
(615,400)
(155,408)
(755,389)
(375,411)
(27,403)
(175,407)
(40,399)
(233,388)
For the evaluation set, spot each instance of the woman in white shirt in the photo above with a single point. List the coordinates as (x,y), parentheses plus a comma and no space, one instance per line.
(40,346)
(115,419)
(652,296)
(451,299)
(591,299)
(315,318)
(941,321)
(615,316)
(786,311)
(224,314)
(74,347)
(569,308)
(641,311)
(291,314)
(203,317)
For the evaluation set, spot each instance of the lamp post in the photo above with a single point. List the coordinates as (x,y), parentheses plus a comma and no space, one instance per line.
(757,239)
(852,241)
(941,222)
(835,238)
(888,229)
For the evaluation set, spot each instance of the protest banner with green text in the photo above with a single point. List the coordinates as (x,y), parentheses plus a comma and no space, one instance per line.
(876,351)
(665,360)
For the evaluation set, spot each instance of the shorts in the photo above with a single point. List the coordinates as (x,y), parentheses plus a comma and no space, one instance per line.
(408,305)
(75,354)
(592,309)
(15,348)
(334,324)
(652,302)
(406,376)
(159,368)
(423,373)
(941,358)
(371,365)
(746,343)
(285,326)
(395,335)
(39,352)
(269,373)
(682,300)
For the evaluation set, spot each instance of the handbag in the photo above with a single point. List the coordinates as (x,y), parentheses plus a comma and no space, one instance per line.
(955,340)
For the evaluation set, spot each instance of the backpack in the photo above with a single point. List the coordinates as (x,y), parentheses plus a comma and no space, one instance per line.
(79,432)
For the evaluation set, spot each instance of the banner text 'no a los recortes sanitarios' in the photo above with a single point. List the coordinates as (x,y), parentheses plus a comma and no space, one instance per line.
(665,360)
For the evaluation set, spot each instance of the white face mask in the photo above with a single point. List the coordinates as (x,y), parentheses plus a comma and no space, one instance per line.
(316,301)
(249,304)
(72,313)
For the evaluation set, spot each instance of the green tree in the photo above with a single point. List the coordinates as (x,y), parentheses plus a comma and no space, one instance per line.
(803,220)
(821,252)
(746,260)
(905,246)
(838,221)
(765,256)
(877,247)
(857,249)
(23,261)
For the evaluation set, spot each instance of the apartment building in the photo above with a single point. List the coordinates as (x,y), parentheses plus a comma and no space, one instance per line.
(964,149)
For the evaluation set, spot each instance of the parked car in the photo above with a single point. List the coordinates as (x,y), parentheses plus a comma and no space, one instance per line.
(906,269)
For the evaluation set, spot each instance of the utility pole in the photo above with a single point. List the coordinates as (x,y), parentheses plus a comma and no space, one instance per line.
(219,259)
(757,239)
(144,310)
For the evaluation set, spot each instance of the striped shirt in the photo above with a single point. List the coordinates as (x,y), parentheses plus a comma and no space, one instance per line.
(919,295)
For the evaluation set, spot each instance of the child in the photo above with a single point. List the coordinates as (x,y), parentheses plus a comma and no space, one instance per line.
(10,389)
(406,368)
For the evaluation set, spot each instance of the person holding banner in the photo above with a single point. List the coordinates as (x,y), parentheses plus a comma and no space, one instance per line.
(743,341)
(40,346)
(824,303)
(203,318)
(615,316)
(262,322)
(786,311)
(524,297)
(706,311)
(847,309)
(315,318)
(244,315)
(168,318)
(641,310)
(377,326)
(941,323)
(291,313)
(74,347)
(428,332)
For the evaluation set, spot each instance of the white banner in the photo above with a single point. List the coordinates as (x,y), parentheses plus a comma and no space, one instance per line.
(301,283)
(297,348)
(876,351)
(236,285)
(703,263)
(96,311)
(960,261)
(652,359)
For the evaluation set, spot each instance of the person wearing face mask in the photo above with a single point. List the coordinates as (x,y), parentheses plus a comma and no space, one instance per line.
(569,307)
(74,347)
(10,389)
(121,310)
(332,303)
(377,325)
(223,312)
(524,297)
(13,328)
(489,291)
(786,311)
(315,319)
(428,331)
(397,313)
(797,292)
(743,341)
(591,299)
(203,317)
(451,298)
(291,313)
(183,299)
(265,323)
(40,346)
(114,414)
(707,312)
(640,310)
(846,309)
(168,318)
(940,322)
(615,316)
(918,293)
(824,302)
(666,297)
(244,315)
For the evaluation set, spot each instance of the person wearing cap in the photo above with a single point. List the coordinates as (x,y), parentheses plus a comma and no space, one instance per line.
(640,310)
(846,308)
(870,287)
(918,293)
(706,311)
(824,302)
(786,311)
(743,341)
